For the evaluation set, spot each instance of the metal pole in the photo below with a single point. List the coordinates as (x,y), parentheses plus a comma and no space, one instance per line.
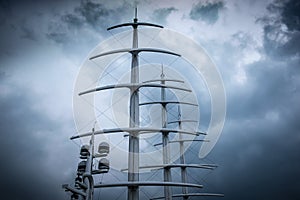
(165,143)
(133,158)
(87,176)
(182,158)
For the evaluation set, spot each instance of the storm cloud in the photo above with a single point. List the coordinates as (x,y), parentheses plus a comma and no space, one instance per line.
(31,167)
(87,15)
(281,30)
(160,15)
(207,12)
(262,130)
(43,44)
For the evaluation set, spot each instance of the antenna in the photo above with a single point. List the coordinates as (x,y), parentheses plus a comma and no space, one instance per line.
(179,113)
(162,75)
(135,13)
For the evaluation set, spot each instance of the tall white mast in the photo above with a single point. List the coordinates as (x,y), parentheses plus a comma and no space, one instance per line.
(133,157)
(165,139)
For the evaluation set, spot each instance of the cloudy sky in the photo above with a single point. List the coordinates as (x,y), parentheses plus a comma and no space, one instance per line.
(255,45)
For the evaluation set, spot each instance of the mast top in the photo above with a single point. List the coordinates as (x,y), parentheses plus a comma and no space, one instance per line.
(135,15)
(179,112)
(135,23)
(162,75)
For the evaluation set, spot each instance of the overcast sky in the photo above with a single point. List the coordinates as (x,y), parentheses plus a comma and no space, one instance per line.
(254,44)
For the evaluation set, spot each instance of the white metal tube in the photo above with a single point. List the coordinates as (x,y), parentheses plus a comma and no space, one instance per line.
(165,144)
(182,161)
(87,177)
(133,157)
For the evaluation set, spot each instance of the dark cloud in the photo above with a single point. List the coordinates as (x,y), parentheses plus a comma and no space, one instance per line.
(5,6)
(4,10)
(23,24)
(23,169)
(72,20)
(28,33)
(58,37)
(93,13)
(59,33)
(282,29)
(258,149)
(259,163)
(88,14)
(35,152)
(260,144)
(270,87)
(291,15)
(207,12)
(160,15)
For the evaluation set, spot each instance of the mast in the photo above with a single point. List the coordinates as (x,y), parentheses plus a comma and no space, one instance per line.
(165,139)
(133,157)
(87,176)
(182,158)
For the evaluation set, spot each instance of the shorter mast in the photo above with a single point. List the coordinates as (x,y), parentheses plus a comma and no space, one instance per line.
(182,157)
(165,139)
(134,147)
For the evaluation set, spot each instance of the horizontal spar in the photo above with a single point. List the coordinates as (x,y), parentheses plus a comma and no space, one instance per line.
(182,120)
(137,130)
(134,24)
(170,80)
(133,85)
(148,183)
(202,166)
(168,102)
(178,141)
(199,194)
(192,195)
(174,141)
(135,51)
